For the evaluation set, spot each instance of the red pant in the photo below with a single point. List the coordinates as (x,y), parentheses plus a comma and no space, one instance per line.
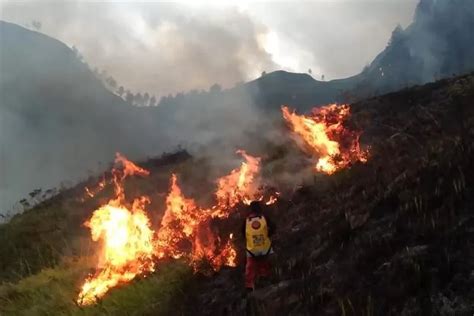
(255,267)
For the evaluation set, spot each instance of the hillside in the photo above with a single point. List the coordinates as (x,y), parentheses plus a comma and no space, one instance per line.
(392,236)
(434,46)
(54,109)
(389,237)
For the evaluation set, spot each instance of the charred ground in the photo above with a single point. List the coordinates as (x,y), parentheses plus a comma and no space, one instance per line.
(389,237)
(392,236)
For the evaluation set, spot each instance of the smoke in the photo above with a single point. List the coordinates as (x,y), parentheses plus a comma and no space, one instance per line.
(438,38)
(335,38)
(60,122)
(160,48)
(164,48)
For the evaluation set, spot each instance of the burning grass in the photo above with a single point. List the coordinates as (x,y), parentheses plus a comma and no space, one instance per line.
(50,291)
(323,135)
(130,246)
(368,219)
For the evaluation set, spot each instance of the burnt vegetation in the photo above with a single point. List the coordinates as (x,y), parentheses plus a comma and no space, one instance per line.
(393,236)
(389,237)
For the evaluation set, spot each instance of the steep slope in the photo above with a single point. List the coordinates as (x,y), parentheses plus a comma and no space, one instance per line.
(434,46)
(389,237)
(392,236)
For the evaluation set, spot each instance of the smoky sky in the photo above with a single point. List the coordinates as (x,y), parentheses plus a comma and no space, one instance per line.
(165,48)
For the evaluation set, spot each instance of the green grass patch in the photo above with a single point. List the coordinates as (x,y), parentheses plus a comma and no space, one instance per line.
(53,291)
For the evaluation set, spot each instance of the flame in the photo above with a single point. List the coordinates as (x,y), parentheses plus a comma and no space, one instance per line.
(185,232)
(324,135)
(185,229)
(91,192)
(129,168)
(127,239)
(271,200)
(229,253)
(130,245)
(238,186)
(178,223)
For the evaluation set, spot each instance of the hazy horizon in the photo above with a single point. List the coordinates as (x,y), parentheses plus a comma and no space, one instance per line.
(166,48)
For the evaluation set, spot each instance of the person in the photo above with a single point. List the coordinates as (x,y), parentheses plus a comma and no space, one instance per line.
(258,229)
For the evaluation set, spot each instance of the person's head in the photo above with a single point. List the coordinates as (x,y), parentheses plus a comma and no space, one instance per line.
(255,207)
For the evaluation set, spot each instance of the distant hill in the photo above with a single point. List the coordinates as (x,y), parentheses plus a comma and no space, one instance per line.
(437,44)
(57,119)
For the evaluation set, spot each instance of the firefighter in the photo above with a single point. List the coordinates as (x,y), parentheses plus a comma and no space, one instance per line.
(258,229)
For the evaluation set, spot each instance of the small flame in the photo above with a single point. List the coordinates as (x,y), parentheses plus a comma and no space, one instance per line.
(91,192)
(324,135)
(271,200)
(239,185)
(129,168)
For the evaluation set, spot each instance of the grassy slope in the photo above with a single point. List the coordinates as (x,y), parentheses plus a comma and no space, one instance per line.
(44,254)
(52,292)
(376,239)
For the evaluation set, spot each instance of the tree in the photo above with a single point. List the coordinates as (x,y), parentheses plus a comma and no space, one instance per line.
(146,98)
(153,101)
(215,88)
(138,99)
(111,82)
(366,68)
(120,91)
(397,35)
(129,97)
(36,24)
(76,53)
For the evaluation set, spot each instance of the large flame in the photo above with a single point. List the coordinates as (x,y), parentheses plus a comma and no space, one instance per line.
(185,228)
(323,134)
(178,223)
(129,245)
(127,239)
(186,232)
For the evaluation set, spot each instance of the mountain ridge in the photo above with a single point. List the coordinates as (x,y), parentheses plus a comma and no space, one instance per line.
(73,111)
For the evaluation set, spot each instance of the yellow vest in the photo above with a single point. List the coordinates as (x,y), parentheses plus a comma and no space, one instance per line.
(256,233)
